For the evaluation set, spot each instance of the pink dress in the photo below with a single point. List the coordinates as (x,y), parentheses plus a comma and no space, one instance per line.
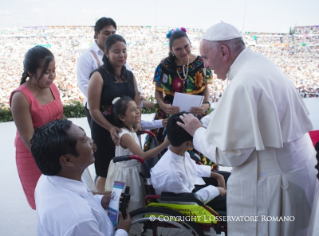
(28,171)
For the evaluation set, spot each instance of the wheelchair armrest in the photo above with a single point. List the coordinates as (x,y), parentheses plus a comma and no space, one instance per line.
(182,197)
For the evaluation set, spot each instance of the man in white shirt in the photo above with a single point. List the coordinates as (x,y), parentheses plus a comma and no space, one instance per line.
(176,172)
(260,128)
(92,59)
(65,205)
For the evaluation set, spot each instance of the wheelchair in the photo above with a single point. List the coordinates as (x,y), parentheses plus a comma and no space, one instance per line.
(172,214)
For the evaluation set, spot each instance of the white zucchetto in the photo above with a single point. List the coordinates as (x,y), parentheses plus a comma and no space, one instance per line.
(221,32)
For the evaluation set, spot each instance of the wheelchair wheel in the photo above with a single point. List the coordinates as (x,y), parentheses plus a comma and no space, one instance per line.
(157,221)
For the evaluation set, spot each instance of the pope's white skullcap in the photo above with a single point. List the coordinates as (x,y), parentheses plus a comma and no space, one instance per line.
(221,32)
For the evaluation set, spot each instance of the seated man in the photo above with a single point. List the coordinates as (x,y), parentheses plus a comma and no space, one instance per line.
(176,172)
(65,205)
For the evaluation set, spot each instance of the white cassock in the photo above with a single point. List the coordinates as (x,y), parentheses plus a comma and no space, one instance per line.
(260,128)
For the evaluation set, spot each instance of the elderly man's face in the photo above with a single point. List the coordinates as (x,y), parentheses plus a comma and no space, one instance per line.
(213,59)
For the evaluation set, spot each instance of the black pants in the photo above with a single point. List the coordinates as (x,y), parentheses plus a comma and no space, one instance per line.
(218,203)
(88,116)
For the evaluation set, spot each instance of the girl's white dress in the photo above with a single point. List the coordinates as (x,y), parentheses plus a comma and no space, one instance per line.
(128,172)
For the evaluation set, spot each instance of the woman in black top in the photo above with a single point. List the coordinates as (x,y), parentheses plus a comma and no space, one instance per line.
(106,83)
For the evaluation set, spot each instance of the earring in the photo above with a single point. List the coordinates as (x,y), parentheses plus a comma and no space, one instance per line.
(173,55)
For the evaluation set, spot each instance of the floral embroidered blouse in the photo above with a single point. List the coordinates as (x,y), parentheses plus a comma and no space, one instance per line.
(167,80)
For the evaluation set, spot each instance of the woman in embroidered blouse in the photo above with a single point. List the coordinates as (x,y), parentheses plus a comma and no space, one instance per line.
(181,72)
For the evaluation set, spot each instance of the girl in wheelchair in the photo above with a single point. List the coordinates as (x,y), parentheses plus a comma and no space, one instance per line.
(125,114)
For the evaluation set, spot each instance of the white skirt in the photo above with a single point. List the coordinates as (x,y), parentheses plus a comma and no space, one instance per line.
(128,172)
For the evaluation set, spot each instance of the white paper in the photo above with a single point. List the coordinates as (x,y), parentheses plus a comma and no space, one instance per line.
(186,101)
(113,211)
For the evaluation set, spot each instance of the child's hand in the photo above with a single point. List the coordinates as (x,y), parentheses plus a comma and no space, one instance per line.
(164,122)
(222,191)
(137,126)
(220,179)
(166,141)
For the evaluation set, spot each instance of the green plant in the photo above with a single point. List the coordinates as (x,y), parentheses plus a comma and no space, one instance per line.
(5,114)
(74,110)
(149,111)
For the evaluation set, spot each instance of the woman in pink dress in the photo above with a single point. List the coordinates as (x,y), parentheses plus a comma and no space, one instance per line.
(33,104)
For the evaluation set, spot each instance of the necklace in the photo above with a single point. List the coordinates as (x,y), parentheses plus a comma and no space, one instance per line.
(183,79)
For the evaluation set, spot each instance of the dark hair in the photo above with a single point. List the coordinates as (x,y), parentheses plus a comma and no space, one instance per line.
(175,35)
(49,143)
(102,22)
(110,40)
(119,108)
(33,60)
(176,134)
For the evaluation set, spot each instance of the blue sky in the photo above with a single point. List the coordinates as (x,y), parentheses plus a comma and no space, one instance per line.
(246,15)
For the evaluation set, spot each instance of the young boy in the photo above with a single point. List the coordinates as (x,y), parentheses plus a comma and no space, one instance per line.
(176,172)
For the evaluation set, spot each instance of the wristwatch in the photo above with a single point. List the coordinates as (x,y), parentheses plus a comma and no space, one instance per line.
(207,102)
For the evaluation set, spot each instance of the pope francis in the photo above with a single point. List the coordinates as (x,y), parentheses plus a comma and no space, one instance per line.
(260,128)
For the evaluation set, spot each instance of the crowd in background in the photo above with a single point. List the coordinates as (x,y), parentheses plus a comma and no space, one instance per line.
(296,54)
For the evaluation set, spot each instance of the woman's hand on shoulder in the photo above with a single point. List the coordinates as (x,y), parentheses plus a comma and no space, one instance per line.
(114,135)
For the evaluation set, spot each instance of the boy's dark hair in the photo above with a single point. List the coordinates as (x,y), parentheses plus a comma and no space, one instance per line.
(102,22)
(119,108)
(176,134)
(49,143)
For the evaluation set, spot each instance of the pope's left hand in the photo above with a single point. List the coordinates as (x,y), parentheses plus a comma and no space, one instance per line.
(191,123)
